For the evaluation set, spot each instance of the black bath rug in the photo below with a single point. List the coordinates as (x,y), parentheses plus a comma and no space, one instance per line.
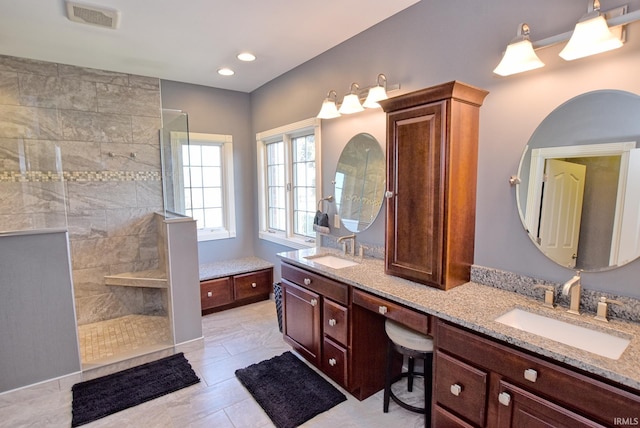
(97,398)
(288,390)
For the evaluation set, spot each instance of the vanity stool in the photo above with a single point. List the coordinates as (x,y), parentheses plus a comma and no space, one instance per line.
(413,345)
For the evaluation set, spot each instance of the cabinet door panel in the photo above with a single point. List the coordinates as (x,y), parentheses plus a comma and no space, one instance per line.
(216,292)
(414,211)
(520,408)
(335,321)
(461,388)
(253,284)
(334,361)
(302,320)
(444,419)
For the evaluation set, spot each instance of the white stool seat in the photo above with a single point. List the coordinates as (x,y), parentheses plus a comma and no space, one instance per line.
(408,338)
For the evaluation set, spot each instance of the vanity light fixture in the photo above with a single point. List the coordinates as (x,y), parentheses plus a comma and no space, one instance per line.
(609,24)
(377,93)
(519,56)
(351,101)
(591,35)
(329,109)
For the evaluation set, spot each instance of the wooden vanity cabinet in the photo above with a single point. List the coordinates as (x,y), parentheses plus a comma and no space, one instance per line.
(432,150)
(316,320)
(480,382)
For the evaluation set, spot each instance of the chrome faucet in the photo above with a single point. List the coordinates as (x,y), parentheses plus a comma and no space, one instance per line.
(351,238)
(574,287)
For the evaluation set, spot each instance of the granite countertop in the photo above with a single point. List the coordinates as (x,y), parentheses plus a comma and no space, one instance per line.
(232,267)
(475,306)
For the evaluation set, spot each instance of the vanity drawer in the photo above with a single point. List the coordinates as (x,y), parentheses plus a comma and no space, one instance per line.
(253,284)
(573,390)
(216,292)
(334,290)
(335,321)
(461,388)
(334,361)
(409,317)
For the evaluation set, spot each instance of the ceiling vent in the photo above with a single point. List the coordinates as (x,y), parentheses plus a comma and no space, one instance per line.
(93,15)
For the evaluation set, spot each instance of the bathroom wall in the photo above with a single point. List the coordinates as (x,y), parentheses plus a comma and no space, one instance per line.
(38,339)
(218,111)
(98,119)
(434,42)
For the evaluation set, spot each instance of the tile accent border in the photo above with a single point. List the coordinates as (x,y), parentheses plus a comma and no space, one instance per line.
(78,176)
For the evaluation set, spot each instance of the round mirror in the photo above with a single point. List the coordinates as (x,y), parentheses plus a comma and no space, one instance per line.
(360,182)
(579,195)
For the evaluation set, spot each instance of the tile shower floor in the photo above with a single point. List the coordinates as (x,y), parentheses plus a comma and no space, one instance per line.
(232,339)
(104,341)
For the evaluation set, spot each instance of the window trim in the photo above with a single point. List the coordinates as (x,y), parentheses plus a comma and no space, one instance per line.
(229,210)
(285,133)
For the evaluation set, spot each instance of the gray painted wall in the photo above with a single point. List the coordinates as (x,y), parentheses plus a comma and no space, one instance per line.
(38,338)
(434,42)
(218,111)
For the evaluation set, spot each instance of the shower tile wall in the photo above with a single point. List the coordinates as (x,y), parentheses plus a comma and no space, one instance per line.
(106,125)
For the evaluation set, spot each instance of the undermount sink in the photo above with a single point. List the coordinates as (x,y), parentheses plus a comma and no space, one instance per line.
(589,340)
(331,261)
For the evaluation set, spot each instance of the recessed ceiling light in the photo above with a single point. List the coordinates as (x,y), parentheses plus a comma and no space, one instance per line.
(226,71)
(246,56)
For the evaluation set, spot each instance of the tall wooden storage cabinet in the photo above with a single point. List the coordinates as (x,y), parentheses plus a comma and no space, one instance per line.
(432,152)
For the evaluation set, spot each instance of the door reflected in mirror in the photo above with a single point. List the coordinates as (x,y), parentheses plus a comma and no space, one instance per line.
(579,198)
(360,182)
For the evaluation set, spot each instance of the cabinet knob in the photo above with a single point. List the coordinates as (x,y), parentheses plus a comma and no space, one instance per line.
(531,375)
(388,194)
(382,309)
(314,302)
(209,294)
(307,281)
(455,389)
(332,322)
(504,398)
(332,362)
(254,285)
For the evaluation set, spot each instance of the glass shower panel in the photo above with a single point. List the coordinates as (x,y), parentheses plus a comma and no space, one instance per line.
(174,142)
(32,188)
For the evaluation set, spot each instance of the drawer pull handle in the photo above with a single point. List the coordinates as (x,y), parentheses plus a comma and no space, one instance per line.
(504,398)
(388,194)
(531,375)
(456,389)
(254,285)
(307,281)
(332,362)
(209,294)
(382,309)
(314,302)
(332,322)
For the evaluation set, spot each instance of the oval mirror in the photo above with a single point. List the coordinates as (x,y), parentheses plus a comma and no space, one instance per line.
(360,182)
(579,195)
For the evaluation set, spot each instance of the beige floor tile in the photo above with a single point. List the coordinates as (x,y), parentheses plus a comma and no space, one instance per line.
(233,339)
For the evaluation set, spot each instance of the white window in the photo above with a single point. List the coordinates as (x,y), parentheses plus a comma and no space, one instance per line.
(203,184)
(289,182)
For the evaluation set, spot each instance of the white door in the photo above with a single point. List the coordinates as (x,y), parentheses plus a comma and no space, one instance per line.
(561,210)
(629,242)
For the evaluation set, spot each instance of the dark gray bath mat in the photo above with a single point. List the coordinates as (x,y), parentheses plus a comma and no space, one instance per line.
(97,398)
(288,390)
